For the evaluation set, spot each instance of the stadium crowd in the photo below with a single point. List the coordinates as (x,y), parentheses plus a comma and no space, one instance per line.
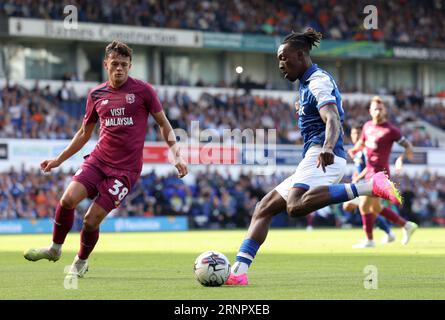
(38,114)
(35,114)
(209,199)
(409,22)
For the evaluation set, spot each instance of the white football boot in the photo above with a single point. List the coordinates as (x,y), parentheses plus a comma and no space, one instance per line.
(78,268)
(364,244)
(388,238)
(408,231)
(36,254)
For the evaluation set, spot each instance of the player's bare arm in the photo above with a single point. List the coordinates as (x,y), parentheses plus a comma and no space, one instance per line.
(297,107)
(79,140)
(408,149)
(408,154)
(359,176)
(329,115)
(170,138)
(359,145)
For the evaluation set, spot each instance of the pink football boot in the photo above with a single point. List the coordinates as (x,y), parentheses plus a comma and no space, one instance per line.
(240,280)
(384,188)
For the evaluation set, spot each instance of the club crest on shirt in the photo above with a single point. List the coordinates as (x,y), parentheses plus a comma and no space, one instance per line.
(130,98)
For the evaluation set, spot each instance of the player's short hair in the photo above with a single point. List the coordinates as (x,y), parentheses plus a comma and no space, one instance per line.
(303,40)
(377,99)
(119,48)
(357,126)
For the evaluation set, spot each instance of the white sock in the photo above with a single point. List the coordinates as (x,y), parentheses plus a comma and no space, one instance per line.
(364,189)
(56,247)
(239,268)
(78,260)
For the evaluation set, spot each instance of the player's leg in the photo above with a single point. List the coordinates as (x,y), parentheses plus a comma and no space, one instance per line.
(272,204)
(310,186)
(277,201)
(368,208)
(111,192)
(408,227)
(351,205)
(89,235)
(310,221)
(349,209)
(63,222)
(322,196)
(323,188)
(383,224)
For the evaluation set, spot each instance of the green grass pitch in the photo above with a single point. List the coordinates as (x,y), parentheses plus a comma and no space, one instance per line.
(292,264)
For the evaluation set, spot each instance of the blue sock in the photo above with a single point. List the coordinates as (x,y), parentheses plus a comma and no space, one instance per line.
(383,224)
(342,192)
(247,251)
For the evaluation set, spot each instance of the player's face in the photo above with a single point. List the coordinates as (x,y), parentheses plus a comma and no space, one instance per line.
(377,110)
(290,62)
(355,135)
(117,67)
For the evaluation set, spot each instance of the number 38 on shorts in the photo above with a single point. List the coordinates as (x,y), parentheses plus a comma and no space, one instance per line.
(119,190)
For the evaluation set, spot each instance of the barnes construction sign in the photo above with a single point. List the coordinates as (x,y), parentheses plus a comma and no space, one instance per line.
(104,32)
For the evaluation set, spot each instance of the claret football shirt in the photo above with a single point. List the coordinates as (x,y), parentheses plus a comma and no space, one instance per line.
(123,115)
(378,139)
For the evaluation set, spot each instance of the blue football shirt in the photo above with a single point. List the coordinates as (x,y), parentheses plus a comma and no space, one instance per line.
(318,88)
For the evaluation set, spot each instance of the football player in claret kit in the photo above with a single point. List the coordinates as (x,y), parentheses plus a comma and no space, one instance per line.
(360,172)
(122,105)
(377,138)
(315,183)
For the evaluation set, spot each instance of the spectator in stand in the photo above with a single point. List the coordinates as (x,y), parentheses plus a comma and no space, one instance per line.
(31,114)
(411,22)
(212,201)
(37,114)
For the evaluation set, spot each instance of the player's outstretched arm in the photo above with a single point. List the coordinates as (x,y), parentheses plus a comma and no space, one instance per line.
(170,138)
(80,139)
(329,115)
(359,145)
(359,176)
(408,154)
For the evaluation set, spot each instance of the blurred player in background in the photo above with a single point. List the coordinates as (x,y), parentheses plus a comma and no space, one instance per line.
(122,105)
(377,138)
(360,167)
(314,184)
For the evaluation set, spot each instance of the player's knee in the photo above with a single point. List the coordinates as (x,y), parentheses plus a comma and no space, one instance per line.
(375,209)
(90,224)
(348,207)
(364,208)
(68,202)
(296,210)
(300,207)
(260,209)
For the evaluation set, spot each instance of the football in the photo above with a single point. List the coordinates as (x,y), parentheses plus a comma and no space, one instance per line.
(211,269)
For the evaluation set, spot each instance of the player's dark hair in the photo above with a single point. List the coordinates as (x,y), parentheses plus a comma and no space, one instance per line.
(377,99)
(119,48)
(357,126)
(303,40)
